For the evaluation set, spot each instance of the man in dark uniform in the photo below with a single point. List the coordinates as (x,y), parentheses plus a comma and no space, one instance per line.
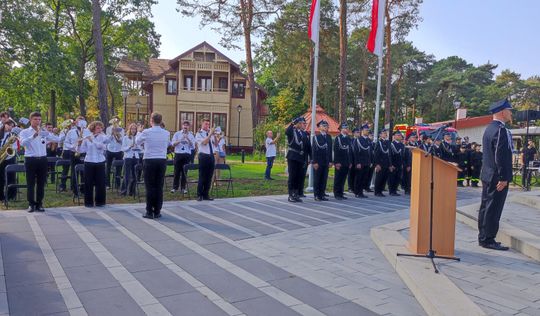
(295,157)
(407,163)
(396,151)
(447,149)
(476,165)
(321,157)
(462,160)
(437,148)
(496,174)
(352,171)
(527,156)
(383,162)
(307,154)
(362,156)
(342,160)
(367,182)
(426,143)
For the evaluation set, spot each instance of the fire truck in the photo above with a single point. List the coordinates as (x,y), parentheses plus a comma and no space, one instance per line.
(423,129)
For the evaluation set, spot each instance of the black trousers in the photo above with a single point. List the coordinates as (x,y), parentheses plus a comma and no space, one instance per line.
(490,211)
(320,178)
(94,178)
(360,179)
(406,182)
(206,172)
(296,172)
(10,179)
(339,180)
(475,175)
(180,160)
(110,157)
(36,176)
(351,178)
(74,161)
(130,178)
(367,182)
(394,179)
(380,179)
(154,175)
(303,179)
(67,155)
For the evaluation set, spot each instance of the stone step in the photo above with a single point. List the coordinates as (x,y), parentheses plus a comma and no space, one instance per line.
(530,199)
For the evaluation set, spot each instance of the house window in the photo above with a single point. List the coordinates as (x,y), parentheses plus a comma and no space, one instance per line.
(187,116)
(239,89)
(220,119)
(200,116)
(223,84)
(188,83)
(210,57)
(171,86)
(198,56)
(205,83)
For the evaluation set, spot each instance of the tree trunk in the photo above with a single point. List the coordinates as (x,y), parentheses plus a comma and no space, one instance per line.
(109,88)
(100,62)
(343,60)
(247,18)
(388,69)
(81,73)
(52,107)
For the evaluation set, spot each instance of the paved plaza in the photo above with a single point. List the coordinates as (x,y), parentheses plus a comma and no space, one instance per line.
(245,256)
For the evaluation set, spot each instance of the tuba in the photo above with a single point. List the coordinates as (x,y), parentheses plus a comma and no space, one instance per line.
(7,152)
(115,122)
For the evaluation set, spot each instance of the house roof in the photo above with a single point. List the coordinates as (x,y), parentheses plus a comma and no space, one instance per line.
(468,122)
(147,70)
(322,115)
(175,60)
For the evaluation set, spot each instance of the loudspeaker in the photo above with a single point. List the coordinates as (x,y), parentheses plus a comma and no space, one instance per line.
(521,116)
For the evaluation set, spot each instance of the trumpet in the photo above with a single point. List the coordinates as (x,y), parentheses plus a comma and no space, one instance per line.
(116,124)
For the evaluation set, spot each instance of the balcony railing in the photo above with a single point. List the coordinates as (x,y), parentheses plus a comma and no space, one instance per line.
(199,65)
(199,89)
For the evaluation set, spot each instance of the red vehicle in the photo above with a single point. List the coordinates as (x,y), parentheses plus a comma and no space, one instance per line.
(422,129)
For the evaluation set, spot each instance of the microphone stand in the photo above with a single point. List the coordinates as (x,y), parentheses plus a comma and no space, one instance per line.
(431,254)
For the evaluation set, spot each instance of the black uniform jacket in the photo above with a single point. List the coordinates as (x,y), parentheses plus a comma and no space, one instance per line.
(381,155)
(342,150)
(398,150)
(362,151)
(298,144)
(497,157)
(322,149)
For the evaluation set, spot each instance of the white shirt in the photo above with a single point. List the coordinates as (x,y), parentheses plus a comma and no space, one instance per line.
(35,146)
(186,142)
(221,145)
(155,140)
(94,149)
(270,147)
(72,138)
(130,147)
(205,148)
(113,145)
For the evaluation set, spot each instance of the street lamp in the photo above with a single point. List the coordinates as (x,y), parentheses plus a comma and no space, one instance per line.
(359,101)
(457,105)
(125,93)
(138,105)
(239,109)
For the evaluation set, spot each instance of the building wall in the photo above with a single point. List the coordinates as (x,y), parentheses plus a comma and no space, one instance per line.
(475,133)
(165,104)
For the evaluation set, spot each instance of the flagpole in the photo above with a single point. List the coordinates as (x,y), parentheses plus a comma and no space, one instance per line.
(378,101)
(313,109)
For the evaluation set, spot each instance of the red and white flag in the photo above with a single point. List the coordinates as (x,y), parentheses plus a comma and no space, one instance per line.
(376,35)
(314,19)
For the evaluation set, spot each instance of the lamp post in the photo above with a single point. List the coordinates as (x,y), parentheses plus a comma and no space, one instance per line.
(239,109)
(125,93)
(457,105)
(359,101)
(138,105)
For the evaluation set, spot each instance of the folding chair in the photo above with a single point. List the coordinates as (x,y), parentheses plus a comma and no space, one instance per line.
(187,168)
(224,178)
(117,175)
(61,164)
(51,168)
(16,169)
(79,182)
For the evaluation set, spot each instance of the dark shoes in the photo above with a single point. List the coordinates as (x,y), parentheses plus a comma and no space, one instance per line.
(148,215)
(361,196)
(320,198)
(494,245)
(294,199)
(35,208)
(200,198)
(339,198)
(395,194)
(369,190)
(31,209)
(380,195)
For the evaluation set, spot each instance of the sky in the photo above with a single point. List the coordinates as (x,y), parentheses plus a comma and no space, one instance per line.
(503,32)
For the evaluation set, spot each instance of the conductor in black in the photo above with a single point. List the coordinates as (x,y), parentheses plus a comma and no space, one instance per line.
(495,175)
(295,157)
(321,159)
(342,160)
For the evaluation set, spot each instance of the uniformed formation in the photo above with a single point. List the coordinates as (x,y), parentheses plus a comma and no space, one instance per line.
(358,159)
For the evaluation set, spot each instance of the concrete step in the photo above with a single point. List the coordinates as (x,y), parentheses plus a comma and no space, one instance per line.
(530,199)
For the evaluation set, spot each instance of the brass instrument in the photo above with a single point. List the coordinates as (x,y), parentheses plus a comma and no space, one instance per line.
(77,154)
(115,122)
(7,152)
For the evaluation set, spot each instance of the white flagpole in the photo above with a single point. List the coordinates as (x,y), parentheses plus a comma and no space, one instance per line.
(313,110)
(378,101)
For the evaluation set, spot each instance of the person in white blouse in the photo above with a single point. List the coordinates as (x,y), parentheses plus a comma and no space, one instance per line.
(7,130)
(94,146)
(156,140)
(34,140)
(131,158)
(206,147)
(220,153)
(114,148)
(183,141)
(70,151)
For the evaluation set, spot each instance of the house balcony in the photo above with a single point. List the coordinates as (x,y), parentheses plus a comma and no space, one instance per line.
(215,96)
(204,66)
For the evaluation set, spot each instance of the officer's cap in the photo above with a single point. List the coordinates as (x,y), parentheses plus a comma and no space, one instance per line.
(383,130)
(499,106)
(343,125)
(365,126)
(356,129)
(323,123)
(298,120)
(447,133)
(397,133)
(412,135)
(464,146)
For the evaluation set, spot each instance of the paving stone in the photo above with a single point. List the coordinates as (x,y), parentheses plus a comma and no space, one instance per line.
(64,241)
(14,225)
(230,287)
(308,292)
(202,237)
(109,301)
(26,273)
(264,306)
(163,282)
(262,269)
(43,298)
(74,257)
(228,251)
(347,309)
(170,248)
(18,247)
(192,303)
(93,277)
(196,265)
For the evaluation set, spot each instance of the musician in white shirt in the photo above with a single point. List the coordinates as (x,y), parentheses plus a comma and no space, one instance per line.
(8,130)
(131,159)
(114,150)
(94,146)
(183,141)
(205,145)
(156,140)
(34,140)
(70,151)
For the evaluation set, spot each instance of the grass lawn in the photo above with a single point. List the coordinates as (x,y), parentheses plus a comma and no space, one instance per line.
(248,181)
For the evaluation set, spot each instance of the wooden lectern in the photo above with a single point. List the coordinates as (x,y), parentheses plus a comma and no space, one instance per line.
(444,204)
